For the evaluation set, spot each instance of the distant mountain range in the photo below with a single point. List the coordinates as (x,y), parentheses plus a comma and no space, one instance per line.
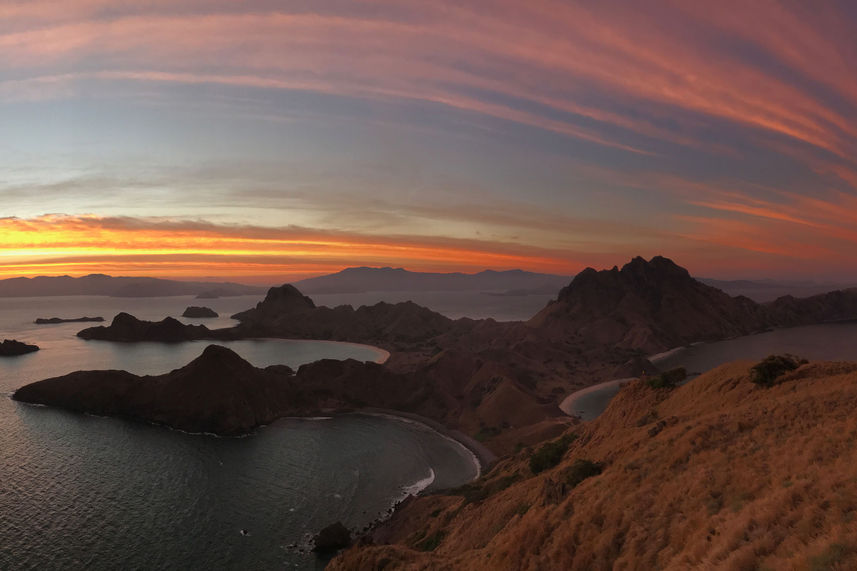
(769,290)
(363,279)
(100,284)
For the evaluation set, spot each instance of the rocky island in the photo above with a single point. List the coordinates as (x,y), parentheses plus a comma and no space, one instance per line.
(13,347)
(196,311)
(127,328)
(54,320)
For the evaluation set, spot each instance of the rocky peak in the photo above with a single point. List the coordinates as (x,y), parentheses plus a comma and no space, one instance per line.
(288,296)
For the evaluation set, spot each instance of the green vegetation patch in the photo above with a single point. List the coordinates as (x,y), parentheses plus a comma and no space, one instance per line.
(773,367)
(668,379)
(581,470)
(431,542)
(550,454)
(475,492)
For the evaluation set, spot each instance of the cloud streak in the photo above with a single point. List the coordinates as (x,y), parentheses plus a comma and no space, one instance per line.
(719,131)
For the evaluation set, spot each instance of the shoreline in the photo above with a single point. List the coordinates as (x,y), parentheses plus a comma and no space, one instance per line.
(568,403)
(483,456)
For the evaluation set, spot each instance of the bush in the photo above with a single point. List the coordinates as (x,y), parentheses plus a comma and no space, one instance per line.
(773,367)
(550,454)
(580,470)
(668,380)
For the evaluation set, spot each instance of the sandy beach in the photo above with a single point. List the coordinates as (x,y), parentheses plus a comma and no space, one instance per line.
(588,403)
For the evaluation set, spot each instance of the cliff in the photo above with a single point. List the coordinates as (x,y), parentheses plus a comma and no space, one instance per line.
(717,474)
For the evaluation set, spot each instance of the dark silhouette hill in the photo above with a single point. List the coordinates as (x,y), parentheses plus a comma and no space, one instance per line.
(651,306)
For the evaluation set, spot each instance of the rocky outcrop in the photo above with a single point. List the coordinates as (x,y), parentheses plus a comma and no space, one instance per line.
(13,347)
(197,311)
(53,320)
(332,538)
(127,328)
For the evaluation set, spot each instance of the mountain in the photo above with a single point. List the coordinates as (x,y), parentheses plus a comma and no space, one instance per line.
(717,474)
(762,291)
(650,306)
(100,284)
(363,279)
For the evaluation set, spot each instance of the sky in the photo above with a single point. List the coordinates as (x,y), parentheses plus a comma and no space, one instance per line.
(265,141)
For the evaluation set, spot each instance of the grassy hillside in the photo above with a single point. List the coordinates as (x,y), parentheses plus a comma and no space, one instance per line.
(718,474)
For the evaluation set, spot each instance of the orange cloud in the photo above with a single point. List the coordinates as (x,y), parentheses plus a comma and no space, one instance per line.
(82,244)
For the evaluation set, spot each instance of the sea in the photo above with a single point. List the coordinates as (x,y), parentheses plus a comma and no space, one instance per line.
(86,492)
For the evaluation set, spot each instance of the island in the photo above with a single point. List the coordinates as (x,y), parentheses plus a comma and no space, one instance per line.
(53,320)
(127,328)
(221,393)
(13,348)
(197,311)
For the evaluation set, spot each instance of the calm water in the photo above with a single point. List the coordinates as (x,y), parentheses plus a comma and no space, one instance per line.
(826,342)
(79,491)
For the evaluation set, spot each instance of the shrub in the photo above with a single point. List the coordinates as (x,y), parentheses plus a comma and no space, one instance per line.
(773,367)
(668,379)
(580,470)
(432,542)
(550,454)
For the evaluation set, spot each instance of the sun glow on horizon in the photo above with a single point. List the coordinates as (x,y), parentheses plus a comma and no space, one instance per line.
(79,245)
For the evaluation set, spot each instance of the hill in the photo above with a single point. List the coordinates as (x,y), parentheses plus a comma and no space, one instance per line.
(363,279)
(717,474)
(650,306)
(100,284)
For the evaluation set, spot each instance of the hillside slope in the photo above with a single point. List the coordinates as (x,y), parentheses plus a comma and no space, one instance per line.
(717,474)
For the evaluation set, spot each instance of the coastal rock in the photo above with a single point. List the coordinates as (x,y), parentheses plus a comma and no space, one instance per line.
(197,311)
(13,347)
(53,320)
(332,538)
(127,328)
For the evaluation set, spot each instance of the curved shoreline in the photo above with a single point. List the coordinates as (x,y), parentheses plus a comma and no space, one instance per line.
(383,354)
(568,403)
(483,457)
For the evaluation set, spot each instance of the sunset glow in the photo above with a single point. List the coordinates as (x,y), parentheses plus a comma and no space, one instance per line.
(269,141)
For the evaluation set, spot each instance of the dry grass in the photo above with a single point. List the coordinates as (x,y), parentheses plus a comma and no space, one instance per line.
(717,474)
